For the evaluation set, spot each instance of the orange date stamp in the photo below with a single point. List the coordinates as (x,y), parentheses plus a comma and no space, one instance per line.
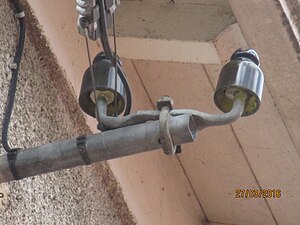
(257,193)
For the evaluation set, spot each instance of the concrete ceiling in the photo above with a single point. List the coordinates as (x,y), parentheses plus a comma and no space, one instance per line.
(178,30)
(182,20)
(257,152)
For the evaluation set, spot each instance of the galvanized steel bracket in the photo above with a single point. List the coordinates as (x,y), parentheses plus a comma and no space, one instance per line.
(165,104)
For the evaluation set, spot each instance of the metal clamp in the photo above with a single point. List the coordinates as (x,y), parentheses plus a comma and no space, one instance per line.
(11,158)
(165,104)
(81,146)
(12,66)
(88,19)
(19,15)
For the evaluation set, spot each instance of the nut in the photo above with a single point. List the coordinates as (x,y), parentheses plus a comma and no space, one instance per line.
(163,101)
(249,54)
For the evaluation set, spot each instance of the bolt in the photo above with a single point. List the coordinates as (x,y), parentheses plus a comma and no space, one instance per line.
(165,101)
(249,54)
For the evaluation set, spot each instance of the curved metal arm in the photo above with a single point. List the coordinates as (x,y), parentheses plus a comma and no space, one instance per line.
(109,123)
(202,119)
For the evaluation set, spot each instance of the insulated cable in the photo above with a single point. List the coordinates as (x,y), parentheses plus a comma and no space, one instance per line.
(115,65)
(14,73)
(110,55)
(92,72)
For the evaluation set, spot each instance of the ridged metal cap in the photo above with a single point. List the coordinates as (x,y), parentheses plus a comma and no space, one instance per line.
(242,73)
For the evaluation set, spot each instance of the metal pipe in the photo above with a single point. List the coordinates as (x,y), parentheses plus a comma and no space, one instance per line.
(98,147)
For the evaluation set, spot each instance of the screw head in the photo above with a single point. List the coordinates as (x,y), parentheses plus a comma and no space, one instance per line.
(165,100)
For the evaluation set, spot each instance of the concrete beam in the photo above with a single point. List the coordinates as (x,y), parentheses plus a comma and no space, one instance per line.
(172,50)
(181,30)
(216,223)
(172,21)
(291,9)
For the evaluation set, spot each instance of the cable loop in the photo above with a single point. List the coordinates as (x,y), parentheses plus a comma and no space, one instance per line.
(14,67)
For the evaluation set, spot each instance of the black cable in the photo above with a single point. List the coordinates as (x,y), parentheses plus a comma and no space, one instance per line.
(115,65)
(109,53)
(13,84)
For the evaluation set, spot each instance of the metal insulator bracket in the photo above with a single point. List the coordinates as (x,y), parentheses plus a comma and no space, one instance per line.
(165,105)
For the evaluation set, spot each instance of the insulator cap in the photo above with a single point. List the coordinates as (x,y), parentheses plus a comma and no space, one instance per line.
(242,73)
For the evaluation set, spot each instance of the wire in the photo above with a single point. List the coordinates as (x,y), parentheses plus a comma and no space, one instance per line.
(13,84)
(108,52)
(116,65)
(92,73)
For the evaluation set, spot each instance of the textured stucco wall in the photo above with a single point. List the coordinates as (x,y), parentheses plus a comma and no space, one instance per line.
(45,111)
